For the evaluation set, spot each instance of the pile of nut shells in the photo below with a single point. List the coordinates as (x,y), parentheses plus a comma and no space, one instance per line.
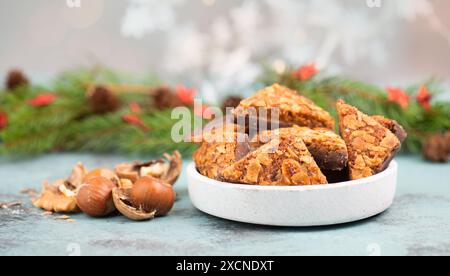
(139,191)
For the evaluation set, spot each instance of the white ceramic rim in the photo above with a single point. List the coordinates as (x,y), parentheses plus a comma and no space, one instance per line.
(192,172)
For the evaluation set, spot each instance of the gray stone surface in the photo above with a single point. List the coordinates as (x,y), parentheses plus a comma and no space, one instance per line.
(417,224)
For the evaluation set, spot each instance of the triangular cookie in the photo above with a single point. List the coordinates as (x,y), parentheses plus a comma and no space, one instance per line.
(293,108)
(221,148)
(370,145)
(327,148)
(284,161)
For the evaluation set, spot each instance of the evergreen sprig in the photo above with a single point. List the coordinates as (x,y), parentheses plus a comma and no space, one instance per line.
(69,124)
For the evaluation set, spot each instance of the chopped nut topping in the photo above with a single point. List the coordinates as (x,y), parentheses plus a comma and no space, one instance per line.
(292,107)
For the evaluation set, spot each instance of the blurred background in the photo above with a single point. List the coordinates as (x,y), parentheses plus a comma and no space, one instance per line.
(221,46)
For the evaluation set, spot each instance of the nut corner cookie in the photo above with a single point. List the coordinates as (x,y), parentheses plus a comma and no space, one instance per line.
(293,108)
(220,149)
(371,146)
(327,148)
(284,161)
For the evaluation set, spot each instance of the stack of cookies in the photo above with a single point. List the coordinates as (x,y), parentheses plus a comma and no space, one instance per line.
(300,147)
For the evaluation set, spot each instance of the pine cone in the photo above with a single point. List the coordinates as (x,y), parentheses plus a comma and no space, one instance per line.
(165,98)
(15,79)
(103,100)
(437,147)
(232,102)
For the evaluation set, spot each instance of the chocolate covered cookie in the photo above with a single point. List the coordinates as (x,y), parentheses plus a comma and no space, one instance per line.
(292,108)
(284,161)
(221,148)
(327,148)
(371,146)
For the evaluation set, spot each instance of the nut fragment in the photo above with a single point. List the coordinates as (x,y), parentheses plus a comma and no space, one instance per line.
(127,171)
(61,195)
(7,205)
(62,217)
(53,199)
(79,172)
(156,170)
(29,191)
(125,184)
(175,168)
(167,169)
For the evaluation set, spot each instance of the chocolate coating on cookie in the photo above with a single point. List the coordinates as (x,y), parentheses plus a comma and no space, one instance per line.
(393,126)
(329,160)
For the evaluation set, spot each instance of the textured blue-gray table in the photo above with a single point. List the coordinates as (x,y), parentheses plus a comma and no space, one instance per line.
(417,224)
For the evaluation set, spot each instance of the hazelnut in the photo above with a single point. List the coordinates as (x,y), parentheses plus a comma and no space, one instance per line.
(101,172)
(95,197)
(153,195)
(149,197)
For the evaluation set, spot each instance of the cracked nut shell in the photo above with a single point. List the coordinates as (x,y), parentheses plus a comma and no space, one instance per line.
(167,169)
(56,197)
(121,198)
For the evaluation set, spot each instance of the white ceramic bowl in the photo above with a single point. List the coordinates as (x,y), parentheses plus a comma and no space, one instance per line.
(294,206)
